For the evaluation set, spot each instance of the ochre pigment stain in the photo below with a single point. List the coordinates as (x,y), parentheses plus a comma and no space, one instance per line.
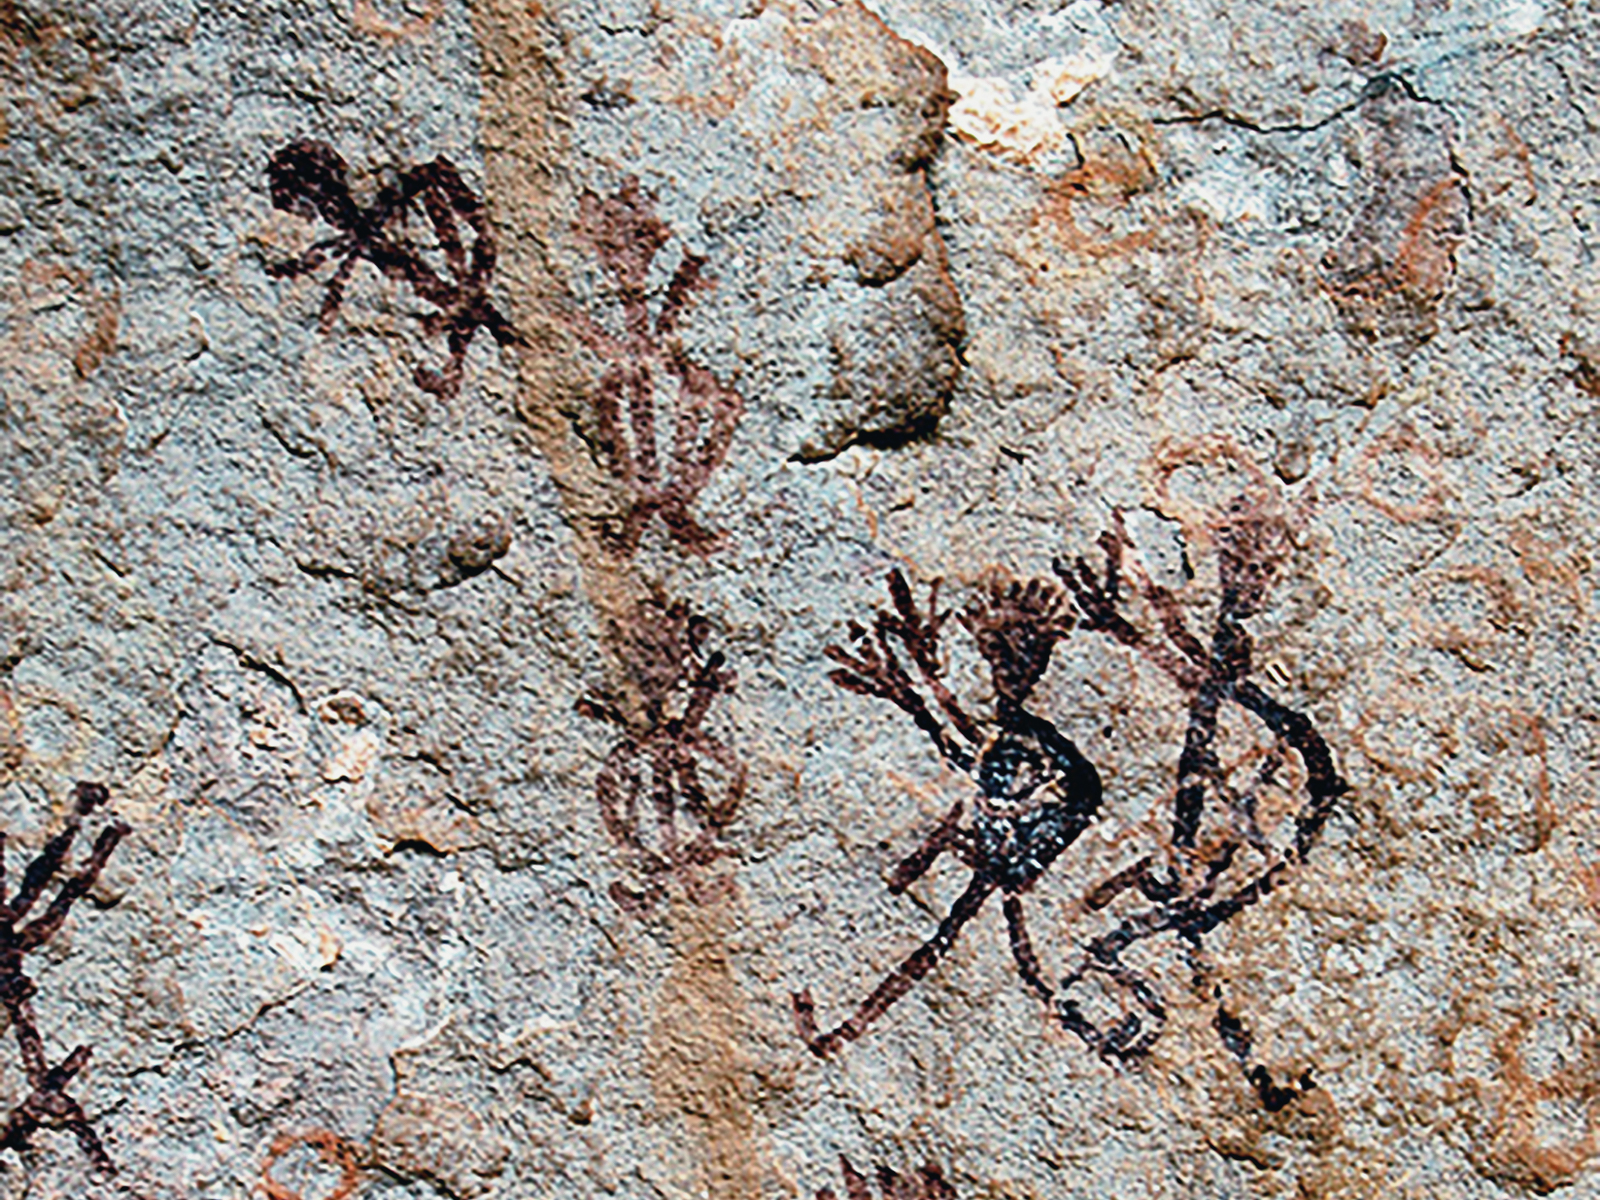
(612,488)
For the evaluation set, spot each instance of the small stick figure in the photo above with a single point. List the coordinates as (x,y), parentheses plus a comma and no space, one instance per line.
(47,1103)
(310,179)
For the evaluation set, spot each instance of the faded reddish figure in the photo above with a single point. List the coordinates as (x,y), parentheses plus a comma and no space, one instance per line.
(661,474)
(1390,271)
(927,1183)
(668,789)
(333,1151)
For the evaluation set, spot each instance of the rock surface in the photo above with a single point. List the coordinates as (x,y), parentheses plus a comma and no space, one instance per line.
(504,751)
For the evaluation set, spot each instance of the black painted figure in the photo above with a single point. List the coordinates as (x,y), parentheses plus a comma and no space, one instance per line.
(1036,792)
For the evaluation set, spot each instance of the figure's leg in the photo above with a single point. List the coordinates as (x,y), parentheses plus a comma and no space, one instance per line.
(642,418)
(1140,875)
(664,798)
(699,751)
(49,1104)
(617,788)
(1237,1039)
(445,382)
(333,293)
(69,1113)
(1022,949)
(18,1003)
(437,201)
(1238,1042)
(898,982)
(916,864)
(1130,1037)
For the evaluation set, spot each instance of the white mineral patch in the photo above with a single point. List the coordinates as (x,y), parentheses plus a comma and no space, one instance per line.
(1060,80)
(354,758)
(305,949)
(1226,197)
(989,113)
(1016,115)
(1522,17)
(533,1027)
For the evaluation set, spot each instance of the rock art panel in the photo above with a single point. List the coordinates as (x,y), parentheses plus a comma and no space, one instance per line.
(511,733)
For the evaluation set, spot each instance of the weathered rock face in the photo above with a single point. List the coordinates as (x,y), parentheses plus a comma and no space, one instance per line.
(473,485)
(895,346)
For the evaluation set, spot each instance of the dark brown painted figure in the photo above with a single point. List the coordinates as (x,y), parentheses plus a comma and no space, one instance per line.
(668,789)
(47,1103)
(926,1183)
(310,179)
(1198,889)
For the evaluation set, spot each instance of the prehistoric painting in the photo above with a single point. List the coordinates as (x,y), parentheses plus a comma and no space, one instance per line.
(777,600)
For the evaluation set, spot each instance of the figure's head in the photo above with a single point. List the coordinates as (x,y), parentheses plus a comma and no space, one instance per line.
(625,232)
(310,179)
(1252,540)
(1016,626)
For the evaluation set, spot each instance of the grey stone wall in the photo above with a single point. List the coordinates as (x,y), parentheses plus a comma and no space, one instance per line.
(492,788)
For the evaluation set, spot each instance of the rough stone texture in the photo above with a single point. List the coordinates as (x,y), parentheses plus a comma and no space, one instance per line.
(375,677)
